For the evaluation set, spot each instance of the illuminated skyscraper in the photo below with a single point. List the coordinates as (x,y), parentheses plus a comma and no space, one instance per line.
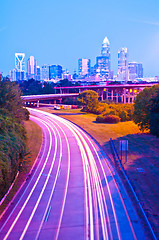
(103,61)
(135,70)
(45,72)
(20,66)
(84,66)
(55,71)
(32,68)
(123,73)
(38,73)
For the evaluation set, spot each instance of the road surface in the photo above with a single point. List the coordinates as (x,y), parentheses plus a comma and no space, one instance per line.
(71,193)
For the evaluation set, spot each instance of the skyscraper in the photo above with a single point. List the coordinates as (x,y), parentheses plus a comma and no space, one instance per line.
(32,68)
(135,70)
(103,61)
(20,66)
(123,73)
(45,72)
(13,74)
(55,71)
(38,73)
(84,66)
(139,70)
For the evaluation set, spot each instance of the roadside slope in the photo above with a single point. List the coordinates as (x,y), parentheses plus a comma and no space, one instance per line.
(34,141)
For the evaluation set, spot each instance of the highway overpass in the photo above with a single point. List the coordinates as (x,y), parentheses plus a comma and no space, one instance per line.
(119,93)
(35,99)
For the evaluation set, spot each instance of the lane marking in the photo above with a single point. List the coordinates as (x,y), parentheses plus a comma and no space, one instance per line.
(24,205)
(47,216)
(45,184)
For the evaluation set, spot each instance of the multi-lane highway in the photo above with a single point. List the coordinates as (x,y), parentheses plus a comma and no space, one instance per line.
(72,192)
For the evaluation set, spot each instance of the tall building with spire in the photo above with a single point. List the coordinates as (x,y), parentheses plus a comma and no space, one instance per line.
(123,72)
(103,62)
(20,66)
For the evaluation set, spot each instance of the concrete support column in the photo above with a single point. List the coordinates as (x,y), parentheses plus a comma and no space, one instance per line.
(100,94)
(112,94)
(124,97)
(102,97)
(107,94)
(117,95)
(128,97)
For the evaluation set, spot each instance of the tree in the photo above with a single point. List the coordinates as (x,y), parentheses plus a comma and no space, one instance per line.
(12,132)
(143,107)
(89,100)
(10,99)
(154,117)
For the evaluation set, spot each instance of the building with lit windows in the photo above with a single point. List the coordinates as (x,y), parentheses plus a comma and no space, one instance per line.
(31,68)
(84,66)
(12,75)
(38,73)
(103,62)
(135,70)
(20,66)
(45,72)
(123,73)
(55,72)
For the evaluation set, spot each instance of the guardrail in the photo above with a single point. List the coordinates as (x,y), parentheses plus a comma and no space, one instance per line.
(146,221)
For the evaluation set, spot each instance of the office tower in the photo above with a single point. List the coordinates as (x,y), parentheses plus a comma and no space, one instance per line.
(103,61)
(31,68)
(45,72)
(139,70)
(55,72)
(12,75)
(20,66)
(84,66)
(38,73)
(123,73)
(135,70)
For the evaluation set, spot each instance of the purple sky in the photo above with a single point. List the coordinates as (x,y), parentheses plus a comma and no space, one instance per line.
(60,32)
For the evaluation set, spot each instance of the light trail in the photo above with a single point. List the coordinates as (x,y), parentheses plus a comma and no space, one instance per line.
(96,175)
(89,230)
(44,187)
(66,186)
(53,188)
(24,190)
(98,206)
(16,219)
(80,140)
(110,192)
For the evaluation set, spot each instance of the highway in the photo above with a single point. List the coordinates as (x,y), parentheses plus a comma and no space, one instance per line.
(72,192)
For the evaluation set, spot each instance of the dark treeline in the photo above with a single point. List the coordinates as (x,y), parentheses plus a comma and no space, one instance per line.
(33,87)
(12,133)
(144,112)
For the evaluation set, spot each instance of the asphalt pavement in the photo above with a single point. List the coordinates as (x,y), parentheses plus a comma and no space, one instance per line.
(72,193)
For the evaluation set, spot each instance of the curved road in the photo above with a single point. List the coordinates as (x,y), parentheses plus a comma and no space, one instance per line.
(72,192)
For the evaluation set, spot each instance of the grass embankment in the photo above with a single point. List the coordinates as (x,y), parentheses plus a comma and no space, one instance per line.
(142,166)
(34,140)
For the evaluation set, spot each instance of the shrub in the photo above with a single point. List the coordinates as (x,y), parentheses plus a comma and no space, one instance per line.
(154,124)
(123,115)
(108,119)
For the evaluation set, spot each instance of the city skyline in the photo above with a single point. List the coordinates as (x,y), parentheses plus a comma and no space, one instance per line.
(61,33)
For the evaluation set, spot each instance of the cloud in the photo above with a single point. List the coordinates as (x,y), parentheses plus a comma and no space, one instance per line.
(145,22)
